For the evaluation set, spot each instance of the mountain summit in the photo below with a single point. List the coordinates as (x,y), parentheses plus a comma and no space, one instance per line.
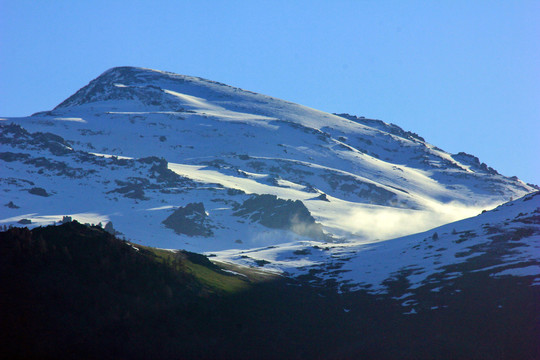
(145,86)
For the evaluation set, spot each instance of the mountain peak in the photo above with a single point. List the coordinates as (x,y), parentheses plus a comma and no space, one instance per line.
(133,75)
(141,89)
(118,83)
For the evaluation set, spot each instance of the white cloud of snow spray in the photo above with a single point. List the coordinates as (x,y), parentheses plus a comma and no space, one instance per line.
(374,223)
(371,223)
(298,230)
(267,237)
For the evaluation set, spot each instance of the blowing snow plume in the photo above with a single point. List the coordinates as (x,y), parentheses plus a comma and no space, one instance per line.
(377,223)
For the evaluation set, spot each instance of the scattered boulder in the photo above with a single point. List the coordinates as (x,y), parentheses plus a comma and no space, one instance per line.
(39,192)
(323,197)
(190,220)
(25,221)
(133,188)
(10,156)
(11,205)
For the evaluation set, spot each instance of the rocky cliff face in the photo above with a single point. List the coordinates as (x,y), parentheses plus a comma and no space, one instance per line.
(276,213)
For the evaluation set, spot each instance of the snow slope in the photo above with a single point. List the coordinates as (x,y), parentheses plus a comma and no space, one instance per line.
(135,144)
(424,271)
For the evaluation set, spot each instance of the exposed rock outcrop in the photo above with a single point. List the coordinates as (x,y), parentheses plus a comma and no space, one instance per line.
(276,213)
(190,220)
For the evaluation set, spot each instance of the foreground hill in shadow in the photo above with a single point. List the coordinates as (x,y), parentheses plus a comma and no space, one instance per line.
(74,291)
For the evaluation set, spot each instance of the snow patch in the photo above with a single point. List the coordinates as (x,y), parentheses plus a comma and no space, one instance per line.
(532,270)
(71,119)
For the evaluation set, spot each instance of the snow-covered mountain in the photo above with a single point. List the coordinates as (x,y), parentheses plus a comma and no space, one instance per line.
(182,162)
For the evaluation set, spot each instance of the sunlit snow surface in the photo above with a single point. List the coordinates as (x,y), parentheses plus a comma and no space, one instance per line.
(363,180)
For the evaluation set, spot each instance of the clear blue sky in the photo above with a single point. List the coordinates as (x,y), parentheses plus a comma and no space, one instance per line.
(463,74)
